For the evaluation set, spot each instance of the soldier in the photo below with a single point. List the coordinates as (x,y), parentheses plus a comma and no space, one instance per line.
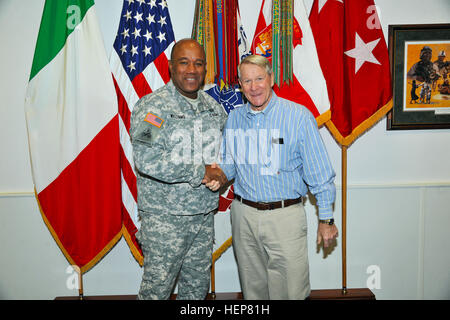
(424,70)
(173,130)
(442,65)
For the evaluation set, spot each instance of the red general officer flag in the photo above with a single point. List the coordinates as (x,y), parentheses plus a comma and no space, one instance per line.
(355,62)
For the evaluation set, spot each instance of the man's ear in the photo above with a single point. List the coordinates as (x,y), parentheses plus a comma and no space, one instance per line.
(272,79)
(170,67)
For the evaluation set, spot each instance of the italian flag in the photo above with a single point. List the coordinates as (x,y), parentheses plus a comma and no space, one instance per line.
(73,133)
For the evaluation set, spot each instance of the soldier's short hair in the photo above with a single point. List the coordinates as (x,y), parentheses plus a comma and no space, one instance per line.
(256,60)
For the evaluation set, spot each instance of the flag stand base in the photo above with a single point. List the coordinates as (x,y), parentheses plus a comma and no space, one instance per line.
(342,294)
(323,294)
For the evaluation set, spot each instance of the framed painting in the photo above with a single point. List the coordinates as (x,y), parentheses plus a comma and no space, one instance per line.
(420,66)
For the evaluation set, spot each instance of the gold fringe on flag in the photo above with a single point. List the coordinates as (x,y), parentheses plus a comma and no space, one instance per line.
(222,249)
(84,268)
(359,130)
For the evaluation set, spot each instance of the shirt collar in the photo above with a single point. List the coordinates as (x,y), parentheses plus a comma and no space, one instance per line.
(184,103)
(266,110)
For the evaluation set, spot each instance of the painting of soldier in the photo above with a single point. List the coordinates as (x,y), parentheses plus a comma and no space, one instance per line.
(427,69)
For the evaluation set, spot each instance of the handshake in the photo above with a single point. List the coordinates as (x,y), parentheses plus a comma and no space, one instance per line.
(214,177)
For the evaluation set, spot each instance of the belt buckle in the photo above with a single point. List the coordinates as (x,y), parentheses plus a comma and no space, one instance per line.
(266,206)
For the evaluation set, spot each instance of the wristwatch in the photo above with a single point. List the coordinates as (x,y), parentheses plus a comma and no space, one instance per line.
(329,222)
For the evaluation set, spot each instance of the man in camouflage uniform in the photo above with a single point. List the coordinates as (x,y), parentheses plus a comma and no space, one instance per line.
(175,134)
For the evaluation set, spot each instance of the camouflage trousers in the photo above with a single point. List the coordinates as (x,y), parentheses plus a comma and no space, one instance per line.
(176,246)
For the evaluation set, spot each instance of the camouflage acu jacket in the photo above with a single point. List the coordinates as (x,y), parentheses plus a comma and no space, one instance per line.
(172,141)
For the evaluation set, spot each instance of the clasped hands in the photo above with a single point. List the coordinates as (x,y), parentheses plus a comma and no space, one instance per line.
(214,177)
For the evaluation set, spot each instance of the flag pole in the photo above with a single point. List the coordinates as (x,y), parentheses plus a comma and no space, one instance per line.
(344,219)
(80,284)
(213,281)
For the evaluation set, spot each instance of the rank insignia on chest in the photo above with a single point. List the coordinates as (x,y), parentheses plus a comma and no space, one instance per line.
(154,120)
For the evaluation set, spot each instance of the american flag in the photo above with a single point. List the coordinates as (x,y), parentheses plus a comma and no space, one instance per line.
(139,63)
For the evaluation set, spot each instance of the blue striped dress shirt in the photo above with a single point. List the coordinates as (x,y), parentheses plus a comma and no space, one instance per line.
(277,154)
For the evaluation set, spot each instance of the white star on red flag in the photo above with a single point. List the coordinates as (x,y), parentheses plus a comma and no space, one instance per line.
(355,62)
(362,52)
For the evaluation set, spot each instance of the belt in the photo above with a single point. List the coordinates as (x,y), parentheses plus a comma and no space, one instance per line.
(268,205)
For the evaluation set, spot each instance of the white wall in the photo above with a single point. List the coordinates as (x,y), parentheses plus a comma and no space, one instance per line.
(398,197)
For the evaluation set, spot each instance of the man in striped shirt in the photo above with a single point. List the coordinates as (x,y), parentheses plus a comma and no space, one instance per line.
(273,150)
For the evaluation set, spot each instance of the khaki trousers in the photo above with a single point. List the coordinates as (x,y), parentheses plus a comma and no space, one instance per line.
(271,251)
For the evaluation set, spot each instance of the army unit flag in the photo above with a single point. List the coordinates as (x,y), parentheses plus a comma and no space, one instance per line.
(308,86)
(354,59)
(73,128)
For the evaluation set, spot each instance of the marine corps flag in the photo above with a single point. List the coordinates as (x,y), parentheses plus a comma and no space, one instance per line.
(73,130)
(355,62)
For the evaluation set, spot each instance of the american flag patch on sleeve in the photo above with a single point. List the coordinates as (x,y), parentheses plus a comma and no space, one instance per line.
(154,120)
